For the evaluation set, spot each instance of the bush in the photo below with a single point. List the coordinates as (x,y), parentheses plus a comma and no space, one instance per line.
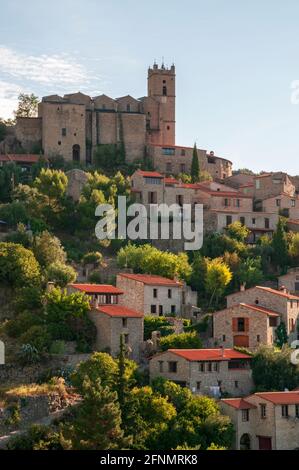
(28,355)
(37,336)
(152,323)
(61,274)
(57,347)
(95,277)
(24,321)
(181,341)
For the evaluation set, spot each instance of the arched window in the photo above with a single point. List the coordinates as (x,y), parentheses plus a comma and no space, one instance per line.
(76,153)
(164,90)
(245,442)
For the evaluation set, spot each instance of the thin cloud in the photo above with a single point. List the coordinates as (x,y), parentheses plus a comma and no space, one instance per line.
(57,69)
(9,93)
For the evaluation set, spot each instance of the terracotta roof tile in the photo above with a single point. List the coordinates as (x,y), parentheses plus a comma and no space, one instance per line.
(238,403)
(152,279)
(119,311)
(209,354)
(97,288)
(280,398)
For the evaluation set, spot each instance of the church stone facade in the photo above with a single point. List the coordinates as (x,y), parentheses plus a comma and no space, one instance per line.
(74,125)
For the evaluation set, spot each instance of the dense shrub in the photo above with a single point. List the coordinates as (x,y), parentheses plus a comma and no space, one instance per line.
(180,341)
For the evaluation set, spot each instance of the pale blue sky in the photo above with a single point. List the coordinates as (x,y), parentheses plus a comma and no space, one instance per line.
(235,62)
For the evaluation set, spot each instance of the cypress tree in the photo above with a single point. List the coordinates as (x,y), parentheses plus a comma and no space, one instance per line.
(195,166)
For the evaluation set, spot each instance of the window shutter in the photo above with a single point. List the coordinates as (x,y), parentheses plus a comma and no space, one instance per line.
(235,324)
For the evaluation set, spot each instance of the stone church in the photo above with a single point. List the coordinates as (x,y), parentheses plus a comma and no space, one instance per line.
(76,124)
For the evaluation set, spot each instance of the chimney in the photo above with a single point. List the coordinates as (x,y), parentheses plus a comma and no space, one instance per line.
(283,289)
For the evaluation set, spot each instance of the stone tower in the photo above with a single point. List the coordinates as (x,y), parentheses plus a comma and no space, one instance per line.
(159,106)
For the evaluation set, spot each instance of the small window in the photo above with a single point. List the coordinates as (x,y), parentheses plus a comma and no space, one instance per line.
(242,220)
(241,324)
(273,321)
(236,384)
(198,384)
(169,293)
(253,221)
(245,415)
(267,222)
(263,411)
(278,202)
(63,132)
(168,167)
(128,108)
(126,339)
(216,366)
(183,152)
(125,322)
(59,142)
(293,203)
(257,301)
(209,367)
(223,338)
(161,366)
(173,309)
(238,203)
(297,411)
(226,202)
(219,383)
(229,220)
(153,309)
(155,293)
(201,366)
(258,338)
(284,411)
(183,168)
(164,91)
(168,128)
(172,367)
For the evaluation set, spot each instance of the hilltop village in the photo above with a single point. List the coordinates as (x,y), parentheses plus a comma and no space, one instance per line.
(162,348)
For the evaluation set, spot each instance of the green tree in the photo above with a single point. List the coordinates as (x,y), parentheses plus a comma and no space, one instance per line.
(93,257)
(61,274)
(3,129)
(53,184)
(48,249)
(280,246)
(272,369)
(195,165)
(18,266)
(217,278)
(249,272)
(237,231)
(27,106)
(99,366)
(281,335)
(181,341)
(97,422)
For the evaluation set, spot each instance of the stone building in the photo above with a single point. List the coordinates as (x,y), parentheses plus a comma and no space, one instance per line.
(205,371)
(157,295)
(265,420)
(75,125)
(245,325)
(111,322)
(283,204)
(290,281)
(112,319)
(252,316)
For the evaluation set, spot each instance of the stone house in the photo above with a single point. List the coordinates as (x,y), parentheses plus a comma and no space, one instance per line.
(104,294)
(290,281)
(111,322)
(270,184)
(259,223)
(265,420)
(253,315)
(283,204)
(156,295)
(280,301)
(205,371)
(245,325)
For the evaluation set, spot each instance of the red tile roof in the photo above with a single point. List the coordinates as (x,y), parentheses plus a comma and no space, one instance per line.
(223,193)
(278,292)
(150,174)
(280,398)
(152,279)
(119,311)
(267,311)
(209,354)
(97,288)
(19,158)
(238,403)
